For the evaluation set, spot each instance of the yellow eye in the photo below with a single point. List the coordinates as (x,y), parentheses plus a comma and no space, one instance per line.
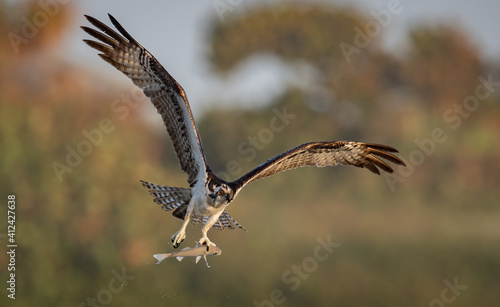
(220,192)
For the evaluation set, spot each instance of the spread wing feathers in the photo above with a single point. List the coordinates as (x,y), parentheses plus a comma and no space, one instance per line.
(177,199)
(323,154)
(169,198)
(224,221)
(168,97)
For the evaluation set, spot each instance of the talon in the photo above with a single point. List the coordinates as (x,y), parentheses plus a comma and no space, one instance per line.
(207,242)
(177,238)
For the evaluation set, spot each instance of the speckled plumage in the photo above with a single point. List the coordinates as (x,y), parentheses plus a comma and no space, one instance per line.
(168,97)
(208,196)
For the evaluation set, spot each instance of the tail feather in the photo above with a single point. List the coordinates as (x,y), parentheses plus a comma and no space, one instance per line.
(229,222)
(224,221)
(169,198)
(177,199)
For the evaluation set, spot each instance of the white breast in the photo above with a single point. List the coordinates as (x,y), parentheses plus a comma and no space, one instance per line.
(202,202)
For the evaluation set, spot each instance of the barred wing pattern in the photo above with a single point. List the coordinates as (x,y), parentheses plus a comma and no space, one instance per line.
(323,154)
(171,198)
(168,97)
(224,221)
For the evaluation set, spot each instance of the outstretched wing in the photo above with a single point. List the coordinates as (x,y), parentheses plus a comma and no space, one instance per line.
(129,57)
(323,154)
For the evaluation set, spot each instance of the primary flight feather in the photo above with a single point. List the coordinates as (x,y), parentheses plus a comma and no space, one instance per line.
(208,196)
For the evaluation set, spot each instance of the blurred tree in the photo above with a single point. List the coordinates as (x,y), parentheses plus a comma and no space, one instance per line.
(354,97)
(307,33)
(442,66)
(34,25)
(76,226)
(52,113)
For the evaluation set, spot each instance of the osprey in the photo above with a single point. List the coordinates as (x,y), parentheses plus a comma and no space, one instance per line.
(208,196)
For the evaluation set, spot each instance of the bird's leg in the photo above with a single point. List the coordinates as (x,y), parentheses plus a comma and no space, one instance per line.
(205,240)
(179,236)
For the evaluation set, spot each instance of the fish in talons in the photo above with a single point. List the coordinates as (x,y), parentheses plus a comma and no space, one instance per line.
(200,250)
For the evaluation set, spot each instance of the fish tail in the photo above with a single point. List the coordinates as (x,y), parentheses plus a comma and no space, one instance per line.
(160,257)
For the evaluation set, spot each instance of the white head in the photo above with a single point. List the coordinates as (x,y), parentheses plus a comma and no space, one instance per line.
(222,195)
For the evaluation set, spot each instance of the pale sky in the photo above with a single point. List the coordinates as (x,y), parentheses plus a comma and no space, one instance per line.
(174,31)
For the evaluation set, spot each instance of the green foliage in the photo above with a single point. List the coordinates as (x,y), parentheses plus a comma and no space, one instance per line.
(304,32)
(77,228)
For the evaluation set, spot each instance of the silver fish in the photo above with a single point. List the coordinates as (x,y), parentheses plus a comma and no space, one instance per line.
(198,251)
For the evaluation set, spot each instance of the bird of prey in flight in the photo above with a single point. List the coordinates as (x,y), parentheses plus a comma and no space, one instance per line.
(208,196)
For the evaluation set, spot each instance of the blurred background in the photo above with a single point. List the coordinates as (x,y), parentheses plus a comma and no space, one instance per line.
(76,137)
